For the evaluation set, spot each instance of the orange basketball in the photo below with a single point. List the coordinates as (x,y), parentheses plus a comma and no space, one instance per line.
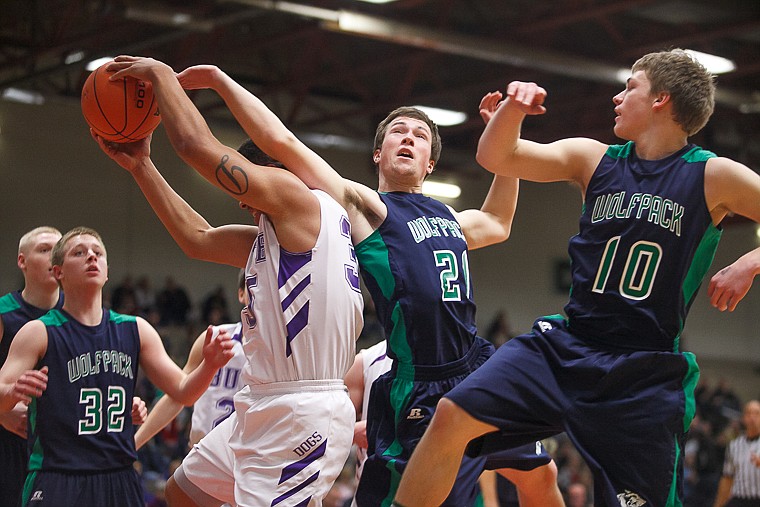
(123,110)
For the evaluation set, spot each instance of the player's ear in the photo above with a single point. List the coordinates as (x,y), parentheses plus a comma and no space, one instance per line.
(661,100)
(376,156)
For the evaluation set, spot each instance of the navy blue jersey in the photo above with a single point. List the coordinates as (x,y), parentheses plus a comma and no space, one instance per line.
(646,241)
(416,269)
(83,422)
(15,312)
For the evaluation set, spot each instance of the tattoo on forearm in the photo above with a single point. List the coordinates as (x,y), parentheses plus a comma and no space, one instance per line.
(233,180)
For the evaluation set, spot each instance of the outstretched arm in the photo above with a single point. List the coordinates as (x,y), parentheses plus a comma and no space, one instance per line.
(229,244)
(502,151)
(166,409)
(167,376)
(492,223)
(267,130)
(275,192)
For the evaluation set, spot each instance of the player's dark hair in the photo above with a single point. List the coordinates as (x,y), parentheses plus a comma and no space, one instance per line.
(255,154)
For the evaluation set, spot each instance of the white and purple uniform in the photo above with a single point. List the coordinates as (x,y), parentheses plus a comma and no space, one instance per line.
(216,404)
(291,431)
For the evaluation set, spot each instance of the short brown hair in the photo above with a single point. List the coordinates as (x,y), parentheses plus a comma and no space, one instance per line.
(58,249)
(417,114)
(690,85)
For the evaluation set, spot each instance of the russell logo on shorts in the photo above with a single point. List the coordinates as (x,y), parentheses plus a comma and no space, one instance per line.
(629,499)
(414,414)
(36,496)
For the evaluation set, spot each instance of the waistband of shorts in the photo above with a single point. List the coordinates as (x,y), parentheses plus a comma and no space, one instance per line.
(79,473)
(296,386)
(462,366)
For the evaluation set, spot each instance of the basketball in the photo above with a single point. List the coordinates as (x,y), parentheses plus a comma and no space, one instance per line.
(121,111)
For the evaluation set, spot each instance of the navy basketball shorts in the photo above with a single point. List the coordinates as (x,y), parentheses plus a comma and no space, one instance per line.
(401,404)
(70,489)
(626,411)
(13,462)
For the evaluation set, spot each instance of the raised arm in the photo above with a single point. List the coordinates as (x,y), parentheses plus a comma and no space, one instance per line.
(267,130)
(492,223)
(276,192)
(166,409)
(229,244)
(502,151)
(185,388)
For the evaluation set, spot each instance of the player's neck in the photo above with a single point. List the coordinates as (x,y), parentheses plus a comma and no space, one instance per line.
(85,307)
(41,297)
(657,144)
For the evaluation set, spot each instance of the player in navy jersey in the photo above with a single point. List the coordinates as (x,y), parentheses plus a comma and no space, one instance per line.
(77,368)
(413,254)
(610,374)
(290,433)
(39,295)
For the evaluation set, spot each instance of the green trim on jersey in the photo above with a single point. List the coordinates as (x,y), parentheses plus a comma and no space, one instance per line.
(54,318)
(395,481)
(673,500)
(28,483)
(619,150)
(698,154)
(689,386)
(37,456)
(373,257)
(120,318)
(372,254)
(8,304)
(700,263)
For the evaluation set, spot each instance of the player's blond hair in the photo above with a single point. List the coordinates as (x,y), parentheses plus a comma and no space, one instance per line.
(28,238)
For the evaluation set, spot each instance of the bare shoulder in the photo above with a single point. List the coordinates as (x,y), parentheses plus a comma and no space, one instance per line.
(365,208)
(583,150)
(146,331)
(731,187)
(725,174)
(32,338)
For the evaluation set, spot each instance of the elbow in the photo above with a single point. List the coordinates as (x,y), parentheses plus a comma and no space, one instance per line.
(502,233)
(483,158)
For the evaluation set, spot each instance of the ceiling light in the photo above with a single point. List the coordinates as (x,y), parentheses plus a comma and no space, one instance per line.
(378,1)
(440,189)
(74,57)
(98,62)
(622,75)
(443,117)
(23,96)
(714,64)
